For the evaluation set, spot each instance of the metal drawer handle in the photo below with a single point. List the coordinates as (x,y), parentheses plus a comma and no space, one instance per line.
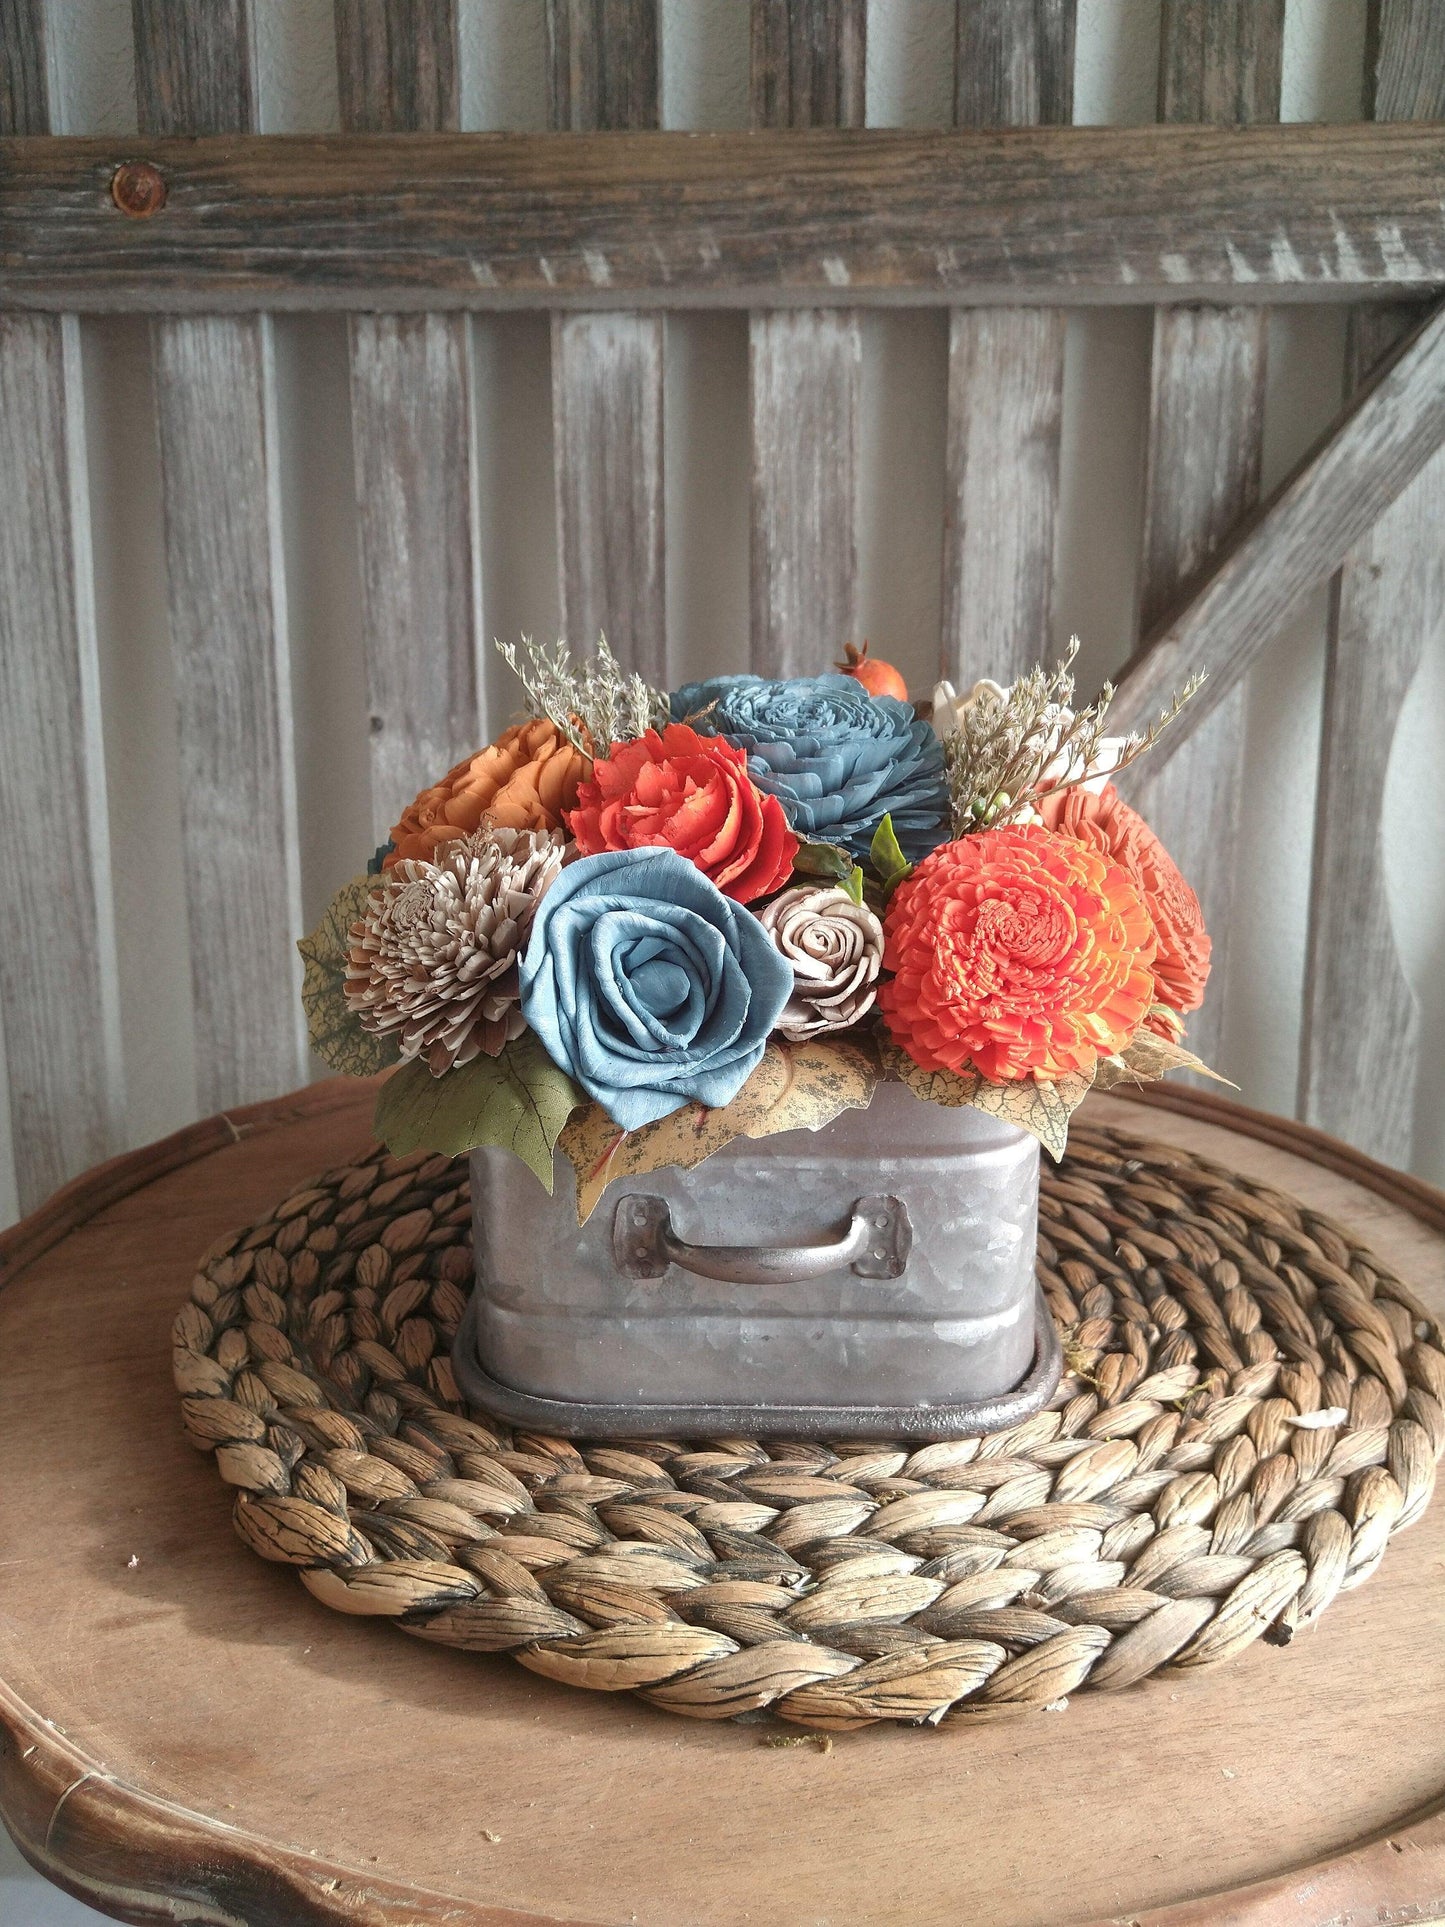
(875,1245)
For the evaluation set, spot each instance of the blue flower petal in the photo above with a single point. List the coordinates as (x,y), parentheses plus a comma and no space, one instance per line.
(648,985)
(838,759)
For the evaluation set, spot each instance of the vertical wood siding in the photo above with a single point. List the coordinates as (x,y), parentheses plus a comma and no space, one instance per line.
(608,369)
(1013,67)
(59,1010)
(1360,1054)
(807,70)
(215,407)
(411,407)
(1220,60)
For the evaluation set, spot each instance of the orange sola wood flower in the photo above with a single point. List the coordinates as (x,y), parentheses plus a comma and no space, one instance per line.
(1016,953)
(689,793)
(1107,824)
(526,780)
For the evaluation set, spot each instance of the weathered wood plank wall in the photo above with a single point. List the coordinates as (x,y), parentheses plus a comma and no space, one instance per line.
(1296,539)
(1219,61)
(215,409)
(1013,67)
(59,1008)
(411,429)
(1172,212)
(808,69)
(1360,1051)
(608,369)
(1035,216)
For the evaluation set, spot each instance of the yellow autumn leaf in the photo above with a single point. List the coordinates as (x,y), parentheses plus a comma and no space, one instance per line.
(1148,1057)
(1042,1109)
(796,1087)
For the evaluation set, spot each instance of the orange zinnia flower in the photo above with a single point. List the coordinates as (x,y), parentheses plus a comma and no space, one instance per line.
(689,793)
(1106,823)
(526,780)
(1016,953)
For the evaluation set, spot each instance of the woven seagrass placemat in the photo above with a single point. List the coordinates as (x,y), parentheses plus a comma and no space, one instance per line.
(1251,1405)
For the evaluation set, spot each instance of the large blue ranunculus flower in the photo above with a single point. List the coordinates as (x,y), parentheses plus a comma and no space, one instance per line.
(838,759)
(648,985)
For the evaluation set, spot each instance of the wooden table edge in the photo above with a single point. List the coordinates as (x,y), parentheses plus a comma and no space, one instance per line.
(122,1849)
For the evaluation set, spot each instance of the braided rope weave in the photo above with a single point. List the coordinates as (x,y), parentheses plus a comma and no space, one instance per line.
(1251,1405)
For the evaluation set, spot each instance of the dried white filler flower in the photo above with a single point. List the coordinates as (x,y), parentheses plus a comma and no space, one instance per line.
(594,702)
(434,959)
(1007,749)
(835,947)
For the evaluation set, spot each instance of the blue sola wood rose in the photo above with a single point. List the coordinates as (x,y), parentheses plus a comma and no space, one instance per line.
(648,985)
(838,759)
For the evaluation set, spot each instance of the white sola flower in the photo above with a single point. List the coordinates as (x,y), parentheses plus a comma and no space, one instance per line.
(434,959)
(950,709)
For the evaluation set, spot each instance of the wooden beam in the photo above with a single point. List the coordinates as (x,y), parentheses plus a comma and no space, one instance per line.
(59,996)
(805,371)
(1014,66)
(608,369)
(1295,540)
(801,218)
(1219,61)
(411,412)
(1360,1048)
(215,412)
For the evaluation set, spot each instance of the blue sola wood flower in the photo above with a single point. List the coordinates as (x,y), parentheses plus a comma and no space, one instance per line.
(838,759)
(648,985)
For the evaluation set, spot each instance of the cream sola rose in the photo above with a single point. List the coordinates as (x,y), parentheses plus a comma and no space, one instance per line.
(649,986)
(835,948)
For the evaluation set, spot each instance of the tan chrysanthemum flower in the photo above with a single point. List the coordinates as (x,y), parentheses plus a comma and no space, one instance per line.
(434,959)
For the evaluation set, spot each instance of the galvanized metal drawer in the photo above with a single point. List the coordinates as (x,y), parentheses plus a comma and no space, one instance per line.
(874,1275)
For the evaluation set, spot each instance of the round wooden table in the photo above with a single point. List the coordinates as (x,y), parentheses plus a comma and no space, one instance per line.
(186,1735)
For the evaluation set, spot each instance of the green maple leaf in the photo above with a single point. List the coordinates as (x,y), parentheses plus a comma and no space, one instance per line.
(520,1100)
(336,1033)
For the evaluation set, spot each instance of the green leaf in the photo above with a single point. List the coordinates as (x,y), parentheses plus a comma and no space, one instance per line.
(336,1033)
(520,1100)
(853,884)
(828,860)
(887,858)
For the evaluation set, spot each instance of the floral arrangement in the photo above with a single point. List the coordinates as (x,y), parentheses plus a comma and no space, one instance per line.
(638,925)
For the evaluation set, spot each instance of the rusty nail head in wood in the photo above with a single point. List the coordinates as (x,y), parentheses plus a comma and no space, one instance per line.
(138,188)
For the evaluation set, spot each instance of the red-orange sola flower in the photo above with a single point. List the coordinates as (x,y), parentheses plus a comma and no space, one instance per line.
(689,793)
(1107,824)
(1016,953)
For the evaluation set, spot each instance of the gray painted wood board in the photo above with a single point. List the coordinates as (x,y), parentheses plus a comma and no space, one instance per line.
(608,369)
(765,219)
(809,60)
(411,427)
(215,402)
(397,66)
(1220,61)
(1013,66)
(602,64)
(59,1002)
(1295,540)
(1359,1052)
